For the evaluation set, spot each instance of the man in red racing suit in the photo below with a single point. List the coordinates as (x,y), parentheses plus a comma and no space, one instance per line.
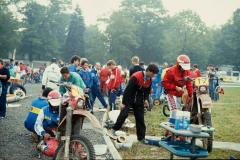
(175,80)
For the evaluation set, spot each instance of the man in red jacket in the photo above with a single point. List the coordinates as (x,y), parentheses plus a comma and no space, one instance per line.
(104,75)
(196,71)
(174,81)
(113,83)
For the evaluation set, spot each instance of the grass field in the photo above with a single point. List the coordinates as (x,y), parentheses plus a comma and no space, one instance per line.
(226,120)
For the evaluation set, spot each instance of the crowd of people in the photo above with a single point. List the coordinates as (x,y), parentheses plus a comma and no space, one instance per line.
(110,80)
(25,72)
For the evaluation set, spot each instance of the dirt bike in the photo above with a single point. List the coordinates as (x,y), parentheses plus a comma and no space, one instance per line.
(16,90)
(201,109)
(72,144)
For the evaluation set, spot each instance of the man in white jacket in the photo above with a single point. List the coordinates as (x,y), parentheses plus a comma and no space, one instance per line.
(51,73)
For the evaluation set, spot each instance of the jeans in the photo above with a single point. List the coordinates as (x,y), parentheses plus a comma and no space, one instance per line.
(3,100)
(96,93)
(112,95)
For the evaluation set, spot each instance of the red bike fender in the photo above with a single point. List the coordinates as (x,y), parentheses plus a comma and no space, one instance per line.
(91,117)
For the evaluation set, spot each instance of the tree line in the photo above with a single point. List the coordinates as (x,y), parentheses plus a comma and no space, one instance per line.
(139,27)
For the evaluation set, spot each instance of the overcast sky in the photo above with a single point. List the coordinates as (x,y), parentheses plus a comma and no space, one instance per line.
(212,12)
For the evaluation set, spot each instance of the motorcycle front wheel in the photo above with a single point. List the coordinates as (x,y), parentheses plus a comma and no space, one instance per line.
(207,121)
(80,148)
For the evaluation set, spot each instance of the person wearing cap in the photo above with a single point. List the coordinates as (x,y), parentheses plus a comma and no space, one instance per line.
(174,81)
(48,117)
(51,73)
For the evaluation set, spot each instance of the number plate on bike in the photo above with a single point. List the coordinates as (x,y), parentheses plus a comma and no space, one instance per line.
(201,81)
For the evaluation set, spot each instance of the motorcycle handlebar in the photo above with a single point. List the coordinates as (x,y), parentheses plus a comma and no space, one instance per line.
(65,84)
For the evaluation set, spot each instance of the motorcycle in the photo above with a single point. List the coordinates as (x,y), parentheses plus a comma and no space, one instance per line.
(16,90)
(73,145)
(201,109)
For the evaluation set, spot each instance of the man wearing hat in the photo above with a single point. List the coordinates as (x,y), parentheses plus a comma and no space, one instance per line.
(175,79)
(48,117)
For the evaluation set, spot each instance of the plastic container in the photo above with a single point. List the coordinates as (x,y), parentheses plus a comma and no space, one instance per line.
(186,120)
(172,117)
(179,120)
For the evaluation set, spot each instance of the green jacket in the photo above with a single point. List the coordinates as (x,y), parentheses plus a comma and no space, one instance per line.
(74,79)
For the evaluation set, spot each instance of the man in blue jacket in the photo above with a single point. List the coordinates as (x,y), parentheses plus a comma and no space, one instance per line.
(156,85)
(44,121)
(96,92)
(4,77)
(75,61)
(87,78)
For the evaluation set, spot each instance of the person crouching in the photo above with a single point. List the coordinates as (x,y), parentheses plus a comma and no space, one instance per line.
(44,120)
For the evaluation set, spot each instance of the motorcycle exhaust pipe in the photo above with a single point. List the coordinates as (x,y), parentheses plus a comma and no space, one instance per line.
(68,132)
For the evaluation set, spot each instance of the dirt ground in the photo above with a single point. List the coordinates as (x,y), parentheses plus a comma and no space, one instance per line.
(16,142)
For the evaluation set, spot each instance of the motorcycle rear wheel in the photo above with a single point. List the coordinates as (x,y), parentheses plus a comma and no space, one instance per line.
(166,110)
(84,150)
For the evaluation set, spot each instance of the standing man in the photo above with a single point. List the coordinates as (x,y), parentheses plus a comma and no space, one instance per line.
(136,95)
(114,83)
(75,61)
(104,75)
(136,67)
(87,78)
(11,68)
(156,85)
(96,92)
(4,77)
(51,73)
(196,71)
(17,71)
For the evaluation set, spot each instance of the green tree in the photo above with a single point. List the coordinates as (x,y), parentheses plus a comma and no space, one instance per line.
(45,32)
(75,39)
(96,48)
(187,34)
(9,35)
(150,17)
(227,49)
(122,37)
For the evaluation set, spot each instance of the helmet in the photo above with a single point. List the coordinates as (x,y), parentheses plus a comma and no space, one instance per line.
(184,62)
(52,145)
(54,98)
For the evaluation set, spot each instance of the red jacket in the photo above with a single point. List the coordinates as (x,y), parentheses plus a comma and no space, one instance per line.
(174,77)
(104,74)
(116,81)
(197,72)
(141,81)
